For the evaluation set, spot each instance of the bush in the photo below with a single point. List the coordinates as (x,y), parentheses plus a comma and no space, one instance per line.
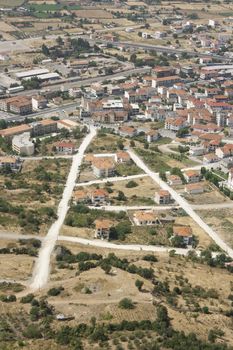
(131,184)
(32,332)
(27,298)
(139,284)
(150,257)
(55,291)
(126,303)
(8,298)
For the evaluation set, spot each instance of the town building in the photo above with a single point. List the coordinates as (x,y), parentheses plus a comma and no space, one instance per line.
(15,130)
(145,218)
(99,196)
(192,176)
(11,163)
(43,127)
(22,145)
(185,232)
(174,180)
(64,147)
(162,197)
(103,167)
(17,104)
(102,228)
(194,188)
(152,136)
(122,157)
(39,102)
(225,151)
(67,124)
(80,196)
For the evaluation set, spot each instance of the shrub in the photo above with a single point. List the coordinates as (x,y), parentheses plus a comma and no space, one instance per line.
(55,291)
(32,332)
(27,298)
(131,184)
(150,257)
(139,284)
(8,298)
(126,303)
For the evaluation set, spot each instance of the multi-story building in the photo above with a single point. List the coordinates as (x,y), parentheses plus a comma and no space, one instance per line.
(39,102)
(15,130)
(65,147)
(162,197)
(22,145)
(17,104)
(102,228)
(185,232)
(192,176)
(103,167)
(43,127)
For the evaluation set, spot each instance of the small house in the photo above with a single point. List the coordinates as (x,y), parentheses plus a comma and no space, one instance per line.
(102,228)
(163,197)
(185,232)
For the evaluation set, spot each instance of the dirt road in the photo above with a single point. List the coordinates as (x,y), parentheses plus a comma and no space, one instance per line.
(41,270)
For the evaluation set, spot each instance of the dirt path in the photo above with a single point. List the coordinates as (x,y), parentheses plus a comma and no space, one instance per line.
(42,266)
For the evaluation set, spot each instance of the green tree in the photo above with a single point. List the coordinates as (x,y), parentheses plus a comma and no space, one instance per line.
(126,303)
(139,284)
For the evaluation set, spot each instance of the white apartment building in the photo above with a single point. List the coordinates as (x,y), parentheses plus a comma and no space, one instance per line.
(22,145)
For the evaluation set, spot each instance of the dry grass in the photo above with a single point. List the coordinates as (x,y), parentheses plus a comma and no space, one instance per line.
(16,267)
(83,232)
(220,220)
(107,290)
(6,27)
(210,196)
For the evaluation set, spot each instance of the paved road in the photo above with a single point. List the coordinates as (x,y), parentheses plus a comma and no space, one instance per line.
(41,270)
(213,206)
(183,203)
(166,149)
(207,166)
(149,47)
(133,207)
(226,205)
(105,244)
(111,179)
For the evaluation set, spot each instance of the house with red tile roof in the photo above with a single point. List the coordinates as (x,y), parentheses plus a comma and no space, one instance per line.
(102,228)
(174,124)
(225,151)
(64,147)
(145,218)
(185,232)
(192,176)
(122,157)
(103,167)
(99,196)
(195,188)
(163,197)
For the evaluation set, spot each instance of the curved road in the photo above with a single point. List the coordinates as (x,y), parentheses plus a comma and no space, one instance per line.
(41,270)
(183,203)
